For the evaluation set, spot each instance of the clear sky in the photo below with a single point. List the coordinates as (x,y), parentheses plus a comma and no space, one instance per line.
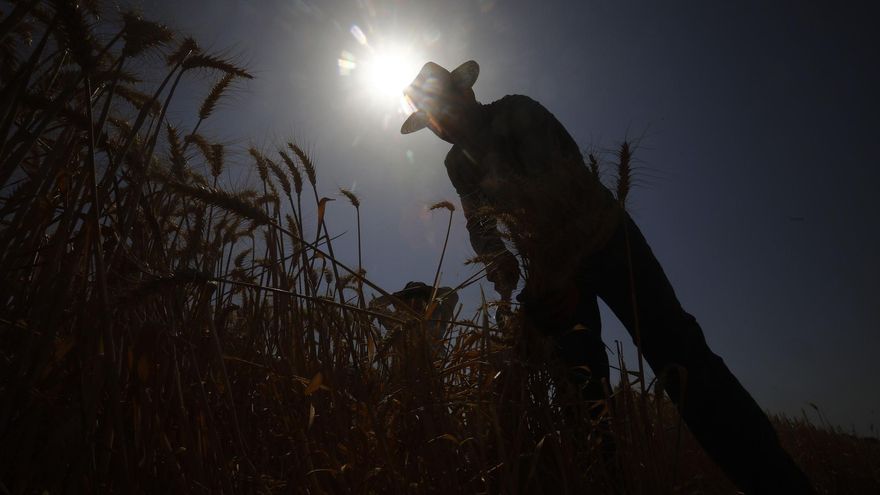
(757,128)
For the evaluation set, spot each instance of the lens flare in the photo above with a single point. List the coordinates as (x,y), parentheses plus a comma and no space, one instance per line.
(358,34)
(346,63)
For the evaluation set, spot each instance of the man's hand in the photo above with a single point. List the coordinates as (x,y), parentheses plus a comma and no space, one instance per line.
(550,311)
(503,272)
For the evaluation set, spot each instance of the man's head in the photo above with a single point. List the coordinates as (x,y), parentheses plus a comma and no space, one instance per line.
(444,101)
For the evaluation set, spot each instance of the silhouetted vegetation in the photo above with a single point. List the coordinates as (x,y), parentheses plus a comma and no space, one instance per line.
(159,333)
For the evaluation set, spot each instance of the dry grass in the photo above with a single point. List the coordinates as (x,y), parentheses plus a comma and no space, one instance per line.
(158,333)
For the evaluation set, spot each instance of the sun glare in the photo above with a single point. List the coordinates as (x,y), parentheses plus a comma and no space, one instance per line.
(382,70)
(389,71)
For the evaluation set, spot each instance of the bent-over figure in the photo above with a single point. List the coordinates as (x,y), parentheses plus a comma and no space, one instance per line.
(512,159)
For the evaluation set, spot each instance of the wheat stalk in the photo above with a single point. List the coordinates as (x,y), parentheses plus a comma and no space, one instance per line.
(215,94)
(306,162)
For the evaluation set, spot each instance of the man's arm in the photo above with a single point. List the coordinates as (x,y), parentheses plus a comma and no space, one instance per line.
(503,269)
(542,147)
(560,193)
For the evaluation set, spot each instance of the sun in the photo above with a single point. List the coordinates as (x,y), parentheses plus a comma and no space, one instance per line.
(389,71)
(382,69)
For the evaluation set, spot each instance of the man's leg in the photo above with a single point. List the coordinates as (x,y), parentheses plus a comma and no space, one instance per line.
(720,413)
(579,346)
(581,349)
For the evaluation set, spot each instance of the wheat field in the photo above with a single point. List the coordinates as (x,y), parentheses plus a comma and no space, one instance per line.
(160,332)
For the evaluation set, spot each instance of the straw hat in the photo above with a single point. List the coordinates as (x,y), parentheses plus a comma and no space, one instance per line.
(432,86)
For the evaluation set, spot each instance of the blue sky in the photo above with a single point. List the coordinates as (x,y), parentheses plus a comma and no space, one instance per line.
(756,127)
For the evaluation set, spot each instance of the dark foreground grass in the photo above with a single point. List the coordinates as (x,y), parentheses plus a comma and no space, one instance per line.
(161,334)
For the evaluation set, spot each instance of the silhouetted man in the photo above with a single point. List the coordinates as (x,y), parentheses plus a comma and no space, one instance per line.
(512,160)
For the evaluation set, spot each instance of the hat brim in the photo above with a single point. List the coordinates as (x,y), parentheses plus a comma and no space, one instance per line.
(465,75)
(415,122)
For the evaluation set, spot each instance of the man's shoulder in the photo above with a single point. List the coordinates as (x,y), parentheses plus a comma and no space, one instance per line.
(513,103)
(458,157)
(516,112)
(455,163)
(454,156)
(508,101)
(461,168)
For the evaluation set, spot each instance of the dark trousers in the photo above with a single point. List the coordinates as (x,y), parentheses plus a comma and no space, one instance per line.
(720,413)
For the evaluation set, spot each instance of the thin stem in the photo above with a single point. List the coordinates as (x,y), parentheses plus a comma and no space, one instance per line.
(440,265)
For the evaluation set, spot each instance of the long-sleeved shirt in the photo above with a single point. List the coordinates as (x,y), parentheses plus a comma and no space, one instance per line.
(524,169)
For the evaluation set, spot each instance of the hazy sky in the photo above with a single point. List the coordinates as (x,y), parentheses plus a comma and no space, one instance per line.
(757,129)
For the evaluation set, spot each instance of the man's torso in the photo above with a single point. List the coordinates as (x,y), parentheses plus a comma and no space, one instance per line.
(528,171)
